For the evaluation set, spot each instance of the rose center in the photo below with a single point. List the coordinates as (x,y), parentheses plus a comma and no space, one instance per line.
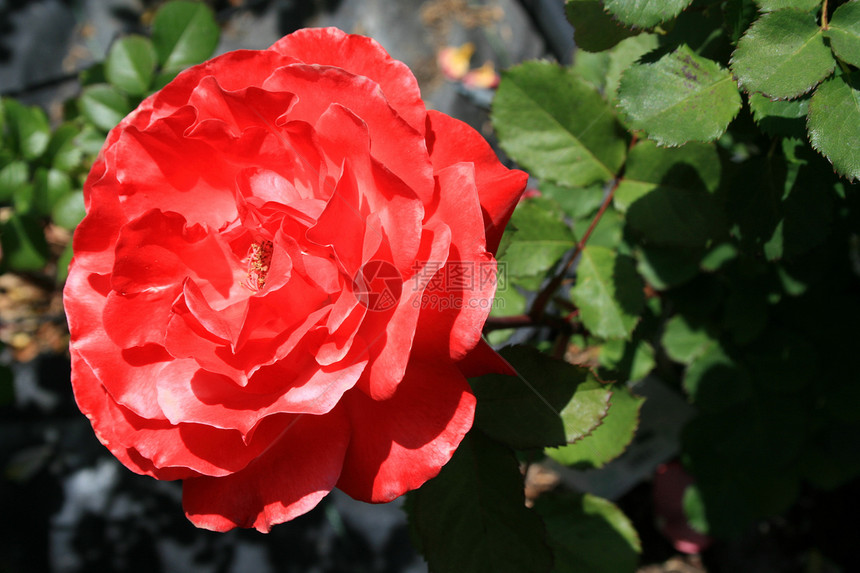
(259,260)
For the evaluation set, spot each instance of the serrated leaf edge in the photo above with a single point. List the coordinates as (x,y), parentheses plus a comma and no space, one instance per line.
(814,145)
(767,95)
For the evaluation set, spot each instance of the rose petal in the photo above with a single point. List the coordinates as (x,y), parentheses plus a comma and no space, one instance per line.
(129,375)
(173,450)
(239,109)
(160,166)
(363,56)
(390,334)
(397,208)
(289,479)
(394,143)
(234,70)
(301,386)
(458,300)
(400,443)
(95,237)
(451,141)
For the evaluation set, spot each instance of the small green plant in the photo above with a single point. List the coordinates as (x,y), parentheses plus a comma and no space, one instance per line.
(43,167)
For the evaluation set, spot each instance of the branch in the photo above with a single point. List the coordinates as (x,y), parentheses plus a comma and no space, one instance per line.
(544,296)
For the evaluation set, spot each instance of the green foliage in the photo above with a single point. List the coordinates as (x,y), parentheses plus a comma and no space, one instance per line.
(844,33)
(608,440)
(557,125)
(712,244)
(130,64)
(551,403)
(681,97)
(42,169)
(595,29)
(104,105)
(472,517)
(588,533)
(645,14)
(608,292)
(782,55)
(834,114)
(184,34)
(24,245)
(538,239)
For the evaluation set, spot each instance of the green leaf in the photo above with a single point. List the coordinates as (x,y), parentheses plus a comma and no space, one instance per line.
(609,439)
(774,5)
(130,64)
(550,403)
(90,140)
(607,233)
(64,261)
(608,292)
(28,127)
(684,342)
(556,125)
(628,360)
(785,361)
(645,14)
(63,151)
(681,97)
(834,117)
(844,33)
(592,68)
(746,308)
(694,509)
(577,202)
(588,534)
(667,267)
(738,15)
(594,29)
(668,194)
(69,210)
(715,381)
(718,256)
(649,168)
(95,74)
(782,55)
(23,242)
(539,239)
(104,106)
(24,198)
(508,302)
(780,117)
(13,176)
(50,185)
(184,34)
(472,517)
(622,57)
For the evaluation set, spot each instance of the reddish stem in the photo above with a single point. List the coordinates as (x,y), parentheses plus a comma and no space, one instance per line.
(546,293)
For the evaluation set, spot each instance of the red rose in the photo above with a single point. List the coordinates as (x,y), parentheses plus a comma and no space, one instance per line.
(271,292)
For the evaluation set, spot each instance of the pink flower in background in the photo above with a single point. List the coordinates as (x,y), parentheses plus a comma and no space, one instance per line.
(246,296)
